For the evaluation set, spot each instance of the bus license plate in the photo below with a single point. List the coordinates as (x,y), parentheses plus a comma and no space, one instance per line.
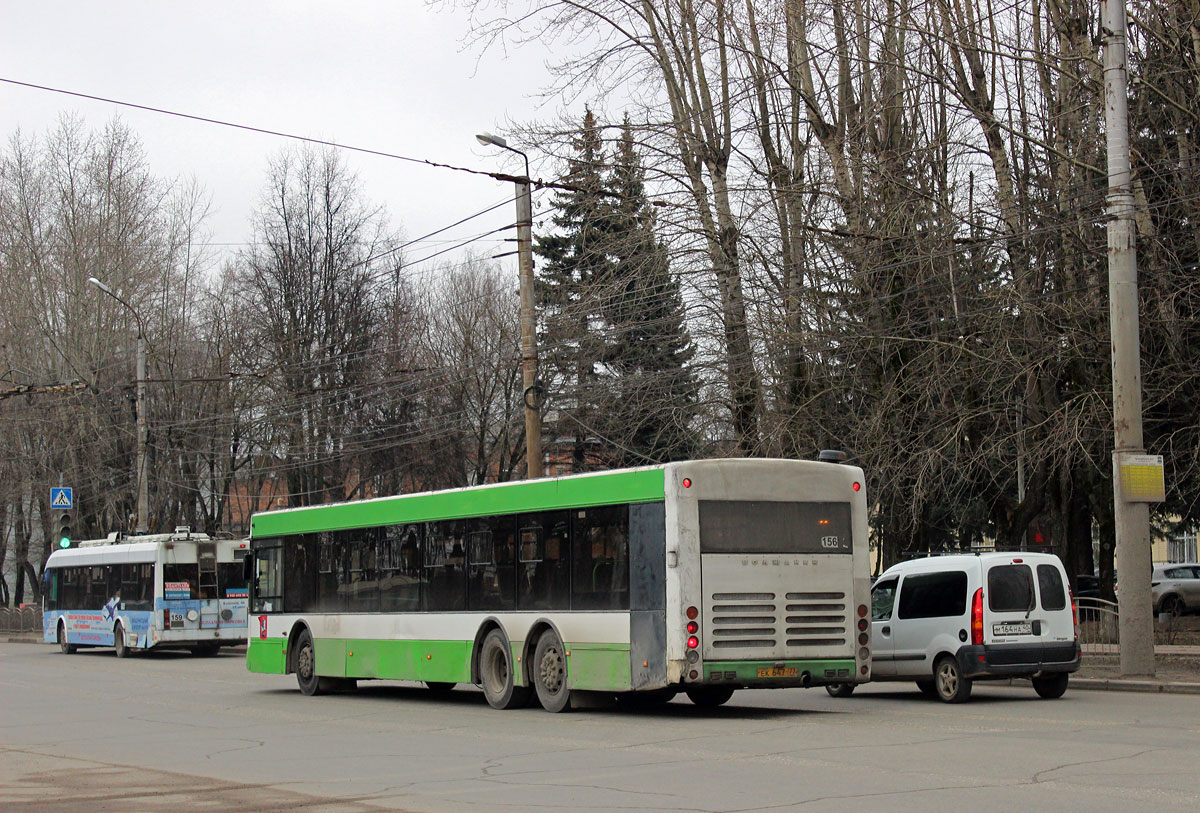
(778,671)
(1013,628)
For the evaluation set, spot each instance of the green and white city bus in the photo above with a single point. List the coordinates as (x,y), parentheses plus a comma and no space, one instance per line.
(701,576)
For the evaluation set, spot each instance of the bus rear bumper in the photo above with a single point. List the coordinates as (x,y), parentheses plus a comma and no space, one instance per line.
(779,674)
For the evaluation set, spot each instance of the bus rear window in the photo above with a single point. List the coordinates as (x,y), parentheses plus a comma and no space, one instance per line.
(755,526)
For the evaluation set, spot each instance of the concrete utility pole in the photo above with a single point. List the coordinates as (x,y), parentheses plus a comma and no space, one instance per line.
(142,521)
(1132,519)
(529,352)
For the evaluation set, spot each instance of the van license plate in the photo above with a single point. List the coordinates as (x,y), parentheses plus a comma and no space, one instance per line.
(1013,628)
(778,671)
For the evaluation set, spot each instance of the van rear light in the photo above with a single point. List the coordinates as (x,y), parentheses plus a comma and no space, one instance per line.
(1074,612)
(977,618)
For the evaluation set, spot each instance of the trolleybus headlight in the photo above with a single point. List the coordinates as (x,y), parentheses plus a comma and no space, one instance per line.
(693,642)
(693,627)
(692,612)
(863,638)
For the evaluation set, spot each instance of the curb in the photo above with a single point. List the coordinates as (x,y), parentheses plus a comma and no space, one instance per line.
(1120,685)
(24,639)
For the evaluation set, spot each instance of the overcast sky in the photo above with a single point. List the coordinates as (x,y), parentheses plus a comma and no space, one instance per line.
(392,76)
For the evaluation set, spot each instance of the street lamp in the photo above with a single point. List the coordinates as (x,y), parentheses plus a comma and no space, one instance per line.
(529,356)
(143,474)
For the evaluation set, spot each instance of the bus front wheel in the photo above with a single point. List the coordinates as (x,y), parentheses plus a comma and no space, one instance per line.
(306,667)
(496,673)
(550,673)
(64,647)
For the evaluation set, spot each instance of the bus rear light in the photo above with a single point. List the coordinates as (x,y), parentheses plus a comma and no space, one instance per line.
(977,618)
(863,638)
(692,612)
(862,611)
(864,654)
(687,482)
(692,656)
(856,486)
(693,627)
(166,619)
(693,642)
(862,624)
(862,670)
(693,674)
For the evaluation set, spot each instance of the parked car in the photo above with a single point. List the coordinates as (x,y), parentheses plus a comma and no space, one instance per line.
(1176,588)
(947,621)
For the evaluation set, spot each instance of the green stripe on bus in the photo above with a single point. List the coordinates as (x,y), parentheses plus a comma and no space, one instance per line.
(266,656)
(637,485)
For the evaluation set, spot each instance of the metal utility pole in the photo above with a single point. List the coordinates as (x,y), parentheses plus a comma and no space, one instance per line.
(529,352)
(1132,519)
(141,522)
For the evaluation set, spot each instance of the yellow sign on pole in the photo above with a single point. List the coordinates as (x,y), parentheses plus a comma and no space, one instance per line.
(1142,478)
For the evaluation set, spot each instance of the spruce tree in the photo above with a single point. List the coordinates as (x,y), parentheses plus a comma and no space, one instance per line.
(573,259)
(649,392)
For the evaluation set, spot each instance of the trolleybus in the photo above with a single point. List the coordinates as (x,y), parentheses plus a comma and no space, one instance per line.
(702,577)
(176,590)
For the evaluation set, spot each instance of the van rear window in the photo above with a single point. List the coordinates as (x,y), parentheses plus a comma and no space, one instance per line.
(1050,587)
(1010,588)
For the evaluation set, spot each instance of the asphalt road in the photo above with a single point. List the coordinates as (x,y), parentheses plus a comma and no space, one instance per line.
(172,732)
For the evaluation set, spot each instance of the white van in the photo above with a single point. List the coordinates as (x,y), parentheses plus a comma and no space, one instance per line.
(946,621)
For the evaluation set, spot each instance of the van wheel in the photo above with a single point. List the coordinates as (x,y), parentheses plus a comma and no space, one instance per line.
(1173,606)
(63,646)
(550,673)
(949,682)
(306,667)
(496,674)
(709,697)
(119,647)
(1051,687)
(927,688)
(839,689)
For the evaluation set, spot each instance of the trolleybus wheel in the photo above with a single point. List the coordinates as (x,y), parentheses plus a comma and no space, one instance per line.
(306,667)
(64,647)
(550,673)
(439,687)
(839,689)
(709,697)
(119,647)
(496,673)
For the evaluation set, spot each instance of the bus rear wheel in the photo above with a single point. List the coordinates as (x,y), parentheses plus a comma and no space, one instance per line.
(709,697)
(119,647)
(550,673)
(306,667)
(63,646)
(496,673)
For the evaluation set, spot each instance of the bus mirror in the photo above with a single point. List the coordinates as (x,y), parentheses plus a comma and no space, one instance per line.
(248,567)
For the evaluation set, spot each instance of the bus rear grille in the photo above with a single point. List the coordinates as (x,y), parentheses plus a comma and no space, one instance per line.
(762,620)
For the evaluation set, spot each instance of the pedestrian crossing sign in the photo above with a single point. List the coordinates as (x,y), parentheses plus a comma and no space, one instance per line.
(62,497)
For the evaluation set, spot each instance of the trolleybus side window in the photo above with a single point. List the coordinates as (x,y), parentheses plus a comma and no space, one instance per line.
(362,581)
(268,582)
(545,579)
(492,554)
(600,558)
(400,568)
(446,559)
